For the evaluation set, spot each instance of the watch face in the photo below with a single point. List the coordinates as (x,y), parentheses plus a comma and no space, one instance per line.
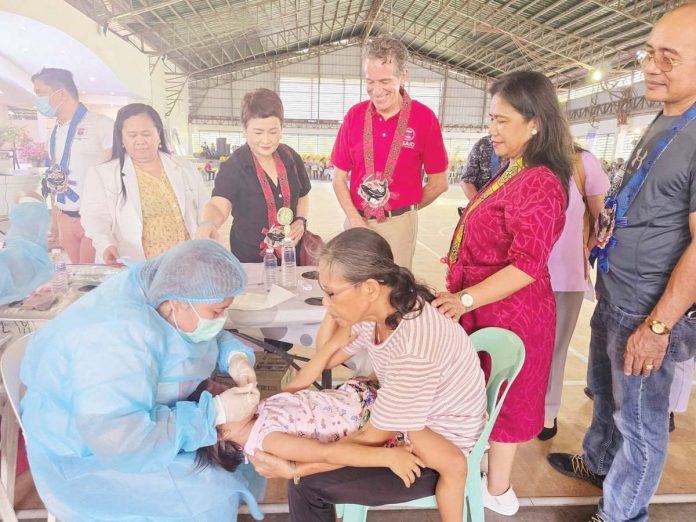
(467,300)
(658,328)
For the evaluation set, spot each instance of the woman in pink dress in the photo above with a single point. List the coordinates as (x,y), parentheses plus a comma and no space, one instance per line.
(498,274)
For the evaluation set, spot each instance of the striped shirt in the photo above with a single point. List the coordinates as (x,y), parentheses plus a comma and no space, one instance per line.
(430,377)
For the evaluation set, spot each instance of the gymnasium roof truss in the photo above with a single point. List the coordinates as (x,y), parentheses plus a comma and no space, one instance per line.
(213,42)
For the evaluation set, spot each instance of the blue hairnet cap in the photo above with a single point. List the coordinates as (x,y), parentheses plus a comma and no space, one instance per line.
(29,221)
(197,271)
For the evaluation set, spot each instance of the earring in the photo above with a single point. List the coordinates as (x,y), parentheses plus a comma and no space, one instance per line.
(534,132)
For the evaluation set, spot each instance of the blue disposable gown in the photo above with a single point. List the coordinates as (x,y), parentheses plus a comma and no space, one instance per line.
(110,435)
(24,262)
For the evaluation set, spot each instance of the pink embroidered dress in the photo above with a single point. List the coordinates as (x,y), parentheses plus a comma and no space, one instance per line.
(516,225)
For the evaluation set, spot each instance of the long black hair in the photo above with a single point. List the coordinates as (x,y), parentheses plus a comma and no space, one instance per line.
(118,151)
(223,454)
(533,95)
(359,254)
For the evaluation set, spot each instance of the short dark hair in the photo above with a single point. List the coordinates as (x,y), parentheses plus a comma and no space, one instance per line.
(533,95)
(261,103)
(58,79)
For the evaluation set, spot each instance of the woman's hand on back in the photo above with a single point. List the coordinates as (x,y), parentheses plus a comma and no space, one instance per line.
(449,305)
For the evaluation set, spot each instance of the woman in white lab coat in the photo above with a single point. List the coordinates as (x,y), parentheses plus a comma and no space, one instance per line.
(145,200)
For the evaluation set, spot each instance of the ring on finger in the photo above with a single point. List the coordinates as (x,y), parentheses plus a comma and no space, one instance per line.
(648,367)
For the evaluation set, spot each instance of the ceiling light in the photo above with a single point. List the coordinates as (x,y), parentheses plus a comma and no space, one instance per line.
(112,93)
(92,78)
(1,92)
(597,75)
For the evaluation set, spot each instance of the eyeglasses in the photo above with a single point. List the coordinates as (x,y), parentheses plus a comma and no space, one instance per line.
(331,295)
(662,62)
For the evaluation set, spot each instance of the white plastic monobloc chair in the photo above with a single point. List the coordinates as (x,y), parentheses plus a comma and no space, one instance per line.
(11,424)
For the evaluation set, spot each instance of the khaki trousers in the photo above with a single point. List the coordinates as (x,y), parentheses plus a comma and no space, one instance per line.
(401,233)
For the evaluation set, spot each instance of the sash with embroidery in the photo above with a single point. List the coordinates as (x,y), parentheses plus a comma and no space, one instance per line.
(274,232)
(374,188)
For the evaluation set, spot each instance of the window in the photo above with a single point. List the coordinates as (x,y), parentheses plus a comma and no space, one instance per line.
(426,92)
(300,98)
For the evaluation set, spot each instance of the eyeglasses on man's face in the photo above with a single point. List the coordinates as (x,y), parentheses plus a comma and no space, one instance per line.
(662,62)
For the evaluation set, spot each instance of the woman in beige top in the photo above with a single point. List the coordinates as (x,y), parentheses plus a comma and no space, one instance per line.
(144,201)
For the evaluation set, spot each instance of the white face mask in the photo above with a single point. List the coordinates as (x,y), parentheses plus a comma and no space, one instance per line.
(206,329)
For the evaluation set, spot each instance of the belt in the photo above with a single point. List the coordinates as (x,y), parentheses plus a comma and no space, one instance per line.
(71,213)
(393,213)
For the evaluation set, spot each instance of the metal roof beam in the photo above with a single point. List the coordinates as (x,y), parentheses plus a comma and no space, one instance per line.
(372,16)
(141,10)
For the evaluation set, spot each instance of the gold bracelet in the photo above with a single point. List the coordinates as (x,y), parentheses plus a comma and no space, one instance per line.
(295,476)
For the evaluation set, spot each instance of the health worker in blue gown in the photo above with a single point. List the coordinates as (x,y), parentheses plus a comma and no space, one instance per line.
(110,432)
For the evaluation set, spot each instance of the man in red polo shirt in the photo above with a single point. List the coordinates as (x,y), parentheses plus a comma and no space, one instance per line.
(385,143)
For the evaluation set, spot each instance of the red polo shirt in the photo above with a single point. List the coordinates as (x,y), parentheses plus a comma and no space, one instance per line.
(423,148)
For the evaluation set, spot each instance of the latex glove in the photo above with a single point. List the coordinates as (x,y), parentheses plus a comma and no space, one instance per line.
(240,369)
(236,403)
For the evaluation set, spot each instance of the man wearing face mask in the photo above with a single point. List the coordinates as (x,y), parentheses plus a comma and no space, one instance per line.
(111,434)
(80,140)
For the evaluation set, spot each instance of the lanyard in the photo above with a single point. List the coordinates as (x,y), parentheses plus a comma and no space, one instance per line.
(394,149)
(492,187)
(268,193)
(617,206)
(74,122)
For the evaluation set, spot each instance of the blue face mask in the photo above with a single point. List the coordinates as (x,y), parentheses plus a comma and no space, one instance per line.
(206,330)
(44,107)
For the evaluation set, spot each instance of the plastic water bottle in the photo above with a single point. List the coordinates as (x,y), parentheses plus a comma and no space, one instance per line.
(59,283)
(270,269)
(287,269)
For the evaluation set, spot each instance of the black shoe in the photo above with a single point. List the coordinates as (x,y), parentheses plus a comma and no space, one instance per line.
(548,433)
(672,427)
(574,466)
(589,393)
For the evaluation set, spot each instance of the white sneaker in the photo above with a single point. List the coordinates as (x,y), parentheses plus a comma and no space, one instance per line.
(505,504)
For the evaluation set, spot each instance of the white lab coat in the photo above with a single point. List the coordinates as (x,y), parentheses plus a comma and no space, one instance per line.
(108,219)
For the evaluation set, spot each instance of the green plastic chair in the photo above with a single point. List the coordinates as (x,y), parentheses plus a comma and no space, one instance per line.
(507,356)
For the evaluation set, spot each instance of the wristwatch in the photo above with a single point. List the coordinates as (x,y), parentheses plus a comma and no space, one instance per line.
(467,300)
(657,326)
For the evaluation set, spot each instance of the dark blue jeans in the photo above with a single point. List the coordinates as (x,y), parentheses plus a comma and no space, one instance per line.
(627,440)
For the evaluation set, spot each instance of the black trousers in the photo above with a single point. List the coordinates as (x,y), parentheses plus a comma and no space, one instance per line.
(314,498)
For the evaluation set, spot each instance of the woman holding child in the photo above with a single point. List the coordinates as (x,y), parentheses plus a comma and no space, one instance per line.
(431,385)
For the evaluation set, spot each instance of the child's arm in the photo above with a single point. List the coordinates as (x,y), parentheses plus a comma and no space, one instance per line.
(400,460)
(328,355)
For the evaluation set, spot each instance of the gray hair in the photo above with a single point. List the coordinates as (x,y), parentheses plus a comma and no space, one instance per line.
(387,49)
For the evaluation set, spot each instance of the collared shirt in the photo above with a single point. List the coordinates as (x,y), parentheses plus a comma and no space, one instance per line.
(422,148)
(482,164)
(93,135)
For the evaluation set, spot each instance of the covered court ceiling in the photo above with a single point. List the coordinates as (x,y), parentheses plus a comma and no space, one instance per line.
(217,41)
